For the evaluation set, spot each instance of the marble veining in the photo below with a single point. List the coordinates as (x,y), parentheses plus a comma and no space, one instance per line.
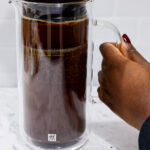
(108,132)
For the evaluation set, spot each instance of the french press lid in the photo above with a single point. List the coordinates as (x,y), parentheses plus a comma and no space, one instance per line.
(56,13)
(54,1)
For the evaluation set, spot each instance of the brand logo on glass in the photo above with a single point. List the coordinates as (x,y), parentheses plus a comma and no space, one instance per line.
(52,137)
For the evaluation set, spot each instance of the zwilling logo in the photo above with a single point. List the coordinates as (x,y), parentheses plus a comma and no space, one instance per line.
(52,137)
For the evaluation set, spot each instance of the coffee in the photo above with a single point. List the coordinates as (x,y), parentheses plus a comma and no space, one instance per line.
(54,78)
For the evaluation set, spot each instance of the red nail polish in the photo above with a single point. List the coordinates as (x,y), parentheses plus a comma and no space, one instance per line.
(126,39)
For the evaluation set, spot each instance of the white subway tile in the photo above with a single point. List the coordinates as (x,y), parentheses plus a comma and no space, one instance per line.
(7,33)
(8,80)
(144,33)
(7,10)
(127,26)
(97,59)
(103,8)
(144,50)
(100,35)
(133,8)
(7,61)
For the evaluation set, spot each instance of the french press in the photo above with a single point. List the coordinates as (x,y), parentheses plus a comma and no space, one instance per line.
(54,39)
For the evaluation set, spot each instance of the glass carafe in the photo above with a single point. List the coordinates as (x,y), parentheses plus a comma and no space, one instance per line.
(55,52)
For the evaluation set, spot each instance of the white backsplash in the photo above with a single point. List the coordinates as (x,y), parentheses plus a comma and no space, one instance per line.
(130,16)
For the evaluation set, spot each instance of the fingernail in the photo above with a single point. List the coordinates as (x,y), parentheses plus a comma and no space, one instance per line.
(126,39)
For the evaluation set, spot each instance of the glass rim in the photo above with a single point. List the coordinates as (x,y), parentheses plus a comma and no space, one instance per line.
(42,3)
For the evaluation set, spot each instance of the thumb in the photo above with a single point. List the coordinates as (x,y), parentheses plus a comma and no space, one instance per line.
(111,53)
(130,52)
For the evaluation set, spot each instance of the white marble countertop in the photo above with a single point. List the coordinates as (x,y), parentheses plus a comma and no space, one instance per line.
(108,132)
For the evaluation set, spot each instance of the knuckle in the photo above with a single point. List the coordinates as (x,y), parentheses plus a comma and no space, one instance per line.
(110,105)
(101,78)
(103,47)
(100,93)
(104,65)
(100,74)
(131,52)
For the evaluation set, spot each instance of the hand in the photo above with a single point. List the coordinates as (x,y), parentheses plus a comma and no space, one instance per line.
(125,83)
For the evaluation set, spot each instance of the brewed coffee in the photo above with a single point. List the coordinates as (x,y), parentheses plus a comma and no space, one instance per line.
(55,59)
